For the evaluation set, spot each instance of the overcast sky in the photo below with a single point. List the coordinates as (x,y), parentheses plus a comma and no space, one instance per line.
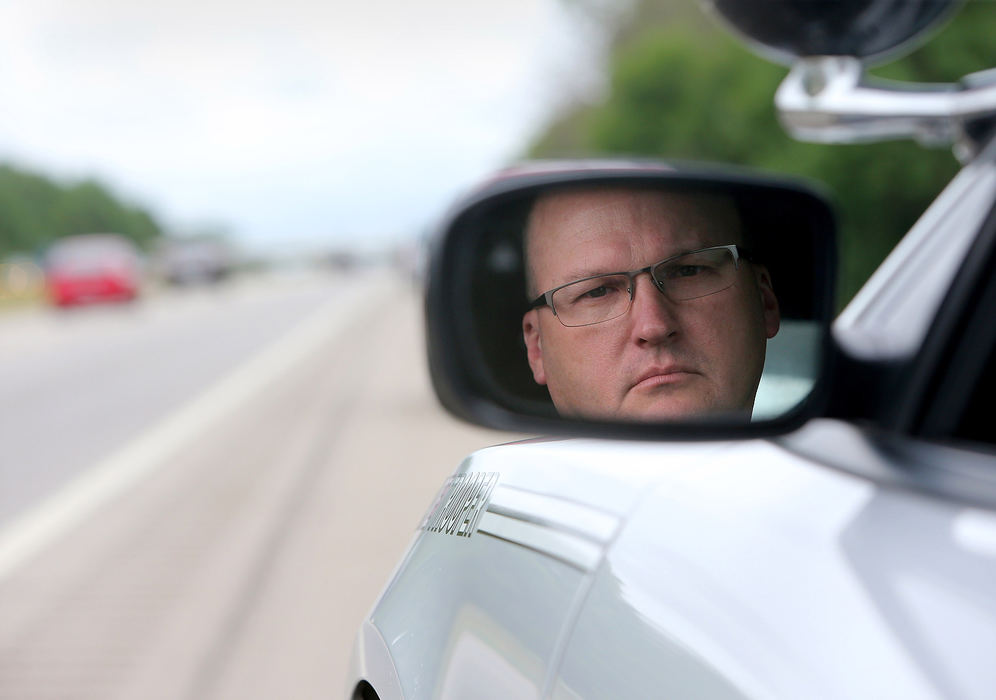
(294,122)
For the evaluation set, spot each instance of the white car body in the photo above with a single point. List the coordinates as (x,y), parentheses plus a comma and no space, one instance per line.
(841,560)
(717,570)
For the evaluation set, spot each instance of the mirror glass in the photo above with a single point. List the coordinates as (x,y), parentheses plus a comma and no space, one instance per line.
(637,299)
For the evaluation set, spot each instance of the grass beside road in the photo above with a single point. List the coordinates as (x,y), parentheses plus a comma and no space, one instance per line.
(22,284)
(18,303)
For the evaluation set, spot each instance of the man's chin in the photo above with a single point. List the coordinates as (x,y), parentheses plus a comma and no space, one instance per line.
(662,406)
(670,406)
(664,414)
(675,411)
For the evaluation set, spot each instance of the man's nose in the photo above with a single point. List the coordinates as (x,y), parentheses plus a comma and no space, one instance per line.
(653,316)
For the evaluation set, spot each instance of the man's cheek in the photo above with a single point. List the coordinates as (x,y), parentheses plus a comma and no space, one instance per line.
(581,376)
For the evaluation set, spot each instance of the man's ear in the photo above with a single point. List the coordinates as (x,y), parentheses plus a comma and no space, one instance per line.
(534,346)
(769,302)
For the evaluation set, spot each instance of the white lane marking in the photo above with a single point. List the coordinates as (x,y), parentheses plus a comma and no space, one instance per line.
(36,529)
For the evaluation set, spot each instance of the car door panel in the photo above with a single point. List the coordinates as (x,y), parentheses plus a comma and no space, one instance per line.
(775,585)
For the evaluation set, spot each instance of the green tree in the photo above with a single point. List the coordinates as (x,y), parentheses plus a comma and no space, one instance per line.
(35,210)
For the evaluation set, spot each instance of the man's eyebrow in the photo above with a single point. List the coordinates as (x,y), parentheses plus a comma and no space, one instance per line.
(580,273)
(584,272)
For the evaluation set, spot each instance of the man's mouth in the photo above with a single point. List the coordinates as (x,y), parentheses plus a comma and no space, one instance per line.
(663,376)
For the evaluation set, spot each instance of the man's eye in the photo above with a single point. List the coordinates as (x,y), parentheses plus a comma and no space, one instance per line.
(597,290)
(684,271)
(687,270)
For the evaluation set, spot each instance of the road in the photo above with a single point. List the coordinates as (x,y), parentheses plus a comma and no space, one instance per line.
(226,536)
(76,385)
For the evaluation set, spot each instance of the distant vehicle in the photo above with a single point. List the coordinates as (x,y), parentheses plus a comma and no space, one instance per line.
(343,260)
(89,268)
(190,261)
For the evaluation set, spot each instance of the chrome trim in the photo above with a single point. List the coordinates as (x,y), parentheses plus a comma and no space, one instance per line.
(827,99)
(460,503)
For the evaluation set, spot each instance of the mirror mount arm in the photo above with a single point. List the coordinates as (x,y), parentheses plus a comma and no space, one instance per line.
(829,99)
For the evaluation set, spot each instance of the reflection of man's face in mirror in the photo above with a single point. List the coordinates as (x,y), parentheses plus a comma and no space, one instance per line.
(662,358)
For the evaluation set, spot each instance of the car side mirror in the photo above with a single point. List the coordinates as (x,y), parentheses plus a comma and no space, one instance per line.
(680,350)
(828,95)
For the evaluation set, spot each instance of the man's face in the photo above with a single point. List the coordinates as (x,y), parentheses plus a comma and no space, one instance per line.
(662,359)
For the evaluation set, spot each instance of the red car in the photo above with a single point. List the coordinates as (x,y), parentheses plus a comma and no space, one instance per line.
(92,268)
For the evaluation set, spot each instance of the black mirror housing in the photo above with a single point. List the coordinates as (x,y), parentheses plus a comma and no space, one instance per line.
(872,30)
(476,291)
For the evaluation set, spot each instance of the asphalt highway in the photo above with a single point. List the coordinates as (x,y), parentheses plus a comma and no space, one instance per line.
(76,385)
(215,489)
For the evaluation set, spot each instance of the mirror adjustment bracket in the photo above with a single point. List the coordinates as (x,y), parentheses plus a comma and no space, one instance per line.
(830,99)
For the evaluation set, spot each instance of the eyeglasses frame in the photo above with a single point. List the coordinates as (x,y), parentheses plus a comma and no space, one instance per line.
(546,298)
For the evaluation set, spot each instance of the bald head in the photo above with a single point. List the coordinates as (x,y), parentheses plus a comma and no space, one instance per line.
(588,210)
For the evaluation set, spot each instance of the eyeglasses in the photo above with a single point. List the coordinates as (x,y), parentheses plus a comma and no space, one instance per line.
(600,298)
